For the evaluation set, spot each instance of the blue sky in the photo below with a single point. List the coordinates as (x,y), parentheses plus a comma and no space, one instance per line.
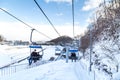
(58,11)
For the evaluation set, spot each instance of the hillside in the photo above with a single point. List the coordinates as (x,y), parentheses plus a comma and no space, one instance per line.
(105,39)
(62,40)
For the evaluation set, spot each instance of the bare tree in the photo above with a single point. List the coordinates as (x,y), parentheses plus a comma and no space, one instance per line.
(1,38)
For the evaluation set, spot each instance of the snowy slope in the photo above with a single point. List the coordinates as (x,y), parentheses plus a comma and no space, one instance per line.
(55,70)
(58,70)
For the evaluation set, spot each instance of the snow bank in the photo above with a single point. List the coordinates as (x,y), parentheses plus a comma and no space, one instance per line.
(58,70)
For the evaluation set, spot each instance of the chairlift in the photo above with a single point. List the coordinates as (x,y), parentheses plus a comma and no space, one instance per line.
(57,51)
(63,52)
(34,45)
(38,48)
(73,51)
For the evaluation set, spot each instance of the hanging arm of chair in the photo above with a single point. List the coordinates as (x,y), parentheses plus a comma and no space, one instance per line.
(31,35)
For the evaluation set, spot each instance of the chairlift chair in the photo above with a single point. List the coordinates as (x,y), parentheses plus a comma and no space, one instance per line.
(36,57)
(57,51)
(73,51)
(34,46)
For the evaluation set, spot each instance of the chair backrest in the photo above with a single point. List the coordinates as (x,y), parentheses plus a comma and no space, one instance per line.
(35,46)
(73,50)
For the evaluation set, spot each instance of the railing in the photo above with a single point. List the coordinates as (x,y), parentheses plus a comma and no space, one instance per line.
(9,70)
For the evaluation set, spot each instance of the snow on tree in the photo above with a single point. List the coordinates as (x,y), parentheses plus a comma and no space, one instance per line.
(105,37)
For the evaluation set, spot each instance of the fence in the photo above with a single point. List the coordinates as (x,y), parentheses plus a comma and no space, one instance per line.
(9,70)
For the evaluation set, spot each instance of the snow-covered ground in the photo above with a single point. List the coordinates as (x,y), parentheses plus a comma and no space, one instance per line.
(50,70)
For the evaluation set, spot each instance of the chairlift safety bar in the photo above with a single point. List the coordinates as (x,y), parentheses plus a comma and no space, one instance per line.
(35,46)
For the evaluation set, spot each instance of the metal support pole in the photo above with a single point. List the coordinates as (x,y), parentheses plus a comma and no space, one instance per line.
(90,56)
(73,17)
(94,75)
(67,52)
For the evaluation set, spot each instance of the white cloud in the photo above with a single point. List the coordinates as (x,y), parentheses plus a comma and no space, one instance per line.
(91,4)
(14,31)
(67,29)
(89,20)
(68,1)
(18,31)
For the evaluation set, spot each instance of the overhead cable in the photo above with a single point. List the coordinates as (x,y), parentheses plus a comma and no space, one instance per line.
(15,17)
(24,23)
(46,17)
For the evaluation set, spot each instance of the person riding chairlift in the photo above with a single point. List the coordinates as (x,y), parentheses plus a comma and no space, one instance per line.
(34,57)
(73,56)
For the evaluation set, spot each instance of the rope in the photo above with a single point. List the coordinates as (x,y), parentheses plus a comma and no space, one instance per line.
(46,17)
(24,22)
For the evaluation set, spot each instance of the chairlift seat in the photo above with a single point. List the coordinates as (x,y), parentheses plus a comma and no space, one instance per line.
(73,51)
